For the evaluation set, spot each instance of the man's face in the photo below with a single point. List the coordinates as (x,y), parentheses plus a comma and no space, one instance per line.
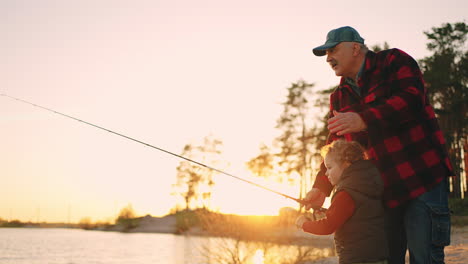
(341,59)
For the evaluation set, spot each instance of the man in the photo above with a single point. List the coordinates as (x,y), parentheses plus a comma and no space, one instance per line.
(381,102)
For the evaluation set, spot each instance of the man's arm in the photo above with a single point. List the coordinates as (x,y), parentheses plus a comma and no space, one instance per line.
(321,182)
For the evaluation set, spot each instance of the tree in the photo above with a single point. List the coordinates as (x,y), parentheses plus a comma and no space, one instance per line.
(377,47)
(294,151)
(188,177)
(126,218)
(446,76)
(262,165)
(85,223)
(296,137)
(320,131)
(127,212)
(195,182)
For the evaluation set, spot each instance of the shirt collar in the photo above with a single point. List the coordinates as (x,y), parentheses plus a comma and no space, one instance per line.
(367,64)
(361,69)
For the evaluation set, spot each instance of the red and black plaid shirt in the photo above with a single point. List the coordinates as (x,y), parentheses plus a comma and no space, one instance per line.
(403,137)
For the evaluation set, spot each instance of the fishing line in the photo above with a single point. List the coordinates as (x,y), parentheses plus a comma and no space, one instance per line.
(157,148)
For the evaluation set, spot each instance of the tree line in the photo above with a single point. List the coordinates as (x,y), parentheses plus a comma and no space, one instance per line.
(293,157)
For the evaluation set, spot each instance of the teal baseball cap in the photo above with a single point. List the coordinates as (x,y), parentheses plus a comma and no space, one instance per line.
(336,36)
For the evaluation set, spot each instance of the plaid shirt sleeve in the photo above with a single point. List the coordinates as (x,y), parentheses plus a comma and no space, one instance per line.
(321,180)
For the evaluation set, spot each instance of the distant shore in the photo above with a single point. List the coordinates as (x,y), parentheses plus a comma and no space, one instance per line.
(168,224)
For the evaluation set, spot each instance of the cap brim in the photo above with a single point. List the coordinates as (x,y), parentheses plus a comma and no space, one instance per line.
(322,50)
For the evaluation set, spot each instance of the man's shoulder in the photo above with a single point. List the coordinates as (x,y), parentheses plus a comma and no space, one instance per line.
(391,54)
(389,51)
(391,59)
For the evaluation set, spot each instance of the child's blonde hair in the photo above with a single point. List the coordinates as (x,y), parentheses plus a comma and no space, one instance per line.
(344,151)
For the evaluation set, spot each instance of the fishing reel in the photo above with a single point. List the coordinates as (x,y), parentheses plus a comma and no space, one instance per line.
(317,214)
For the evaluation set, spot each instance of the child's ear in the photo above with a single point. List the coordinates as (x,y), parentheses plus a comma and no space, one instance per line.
(346,164)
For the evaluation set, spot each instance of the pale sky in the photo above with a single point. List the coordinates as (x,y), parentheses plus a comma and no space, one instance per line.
(167,73)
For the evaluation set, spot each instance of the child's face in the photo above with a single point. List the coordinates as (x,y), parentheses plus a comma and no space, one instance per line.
(334,169)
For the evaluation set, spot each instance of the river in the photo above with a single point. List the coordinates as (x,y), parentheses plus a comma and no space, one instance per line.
(76,246)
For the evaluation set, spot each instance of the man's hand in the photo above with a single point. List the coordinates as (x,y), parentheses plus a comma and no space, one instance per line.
(314,198)
(344,123)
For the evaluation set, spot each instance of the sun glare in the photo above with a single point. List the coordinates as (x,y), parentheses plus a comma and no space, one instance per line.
(243,199)
(258,257)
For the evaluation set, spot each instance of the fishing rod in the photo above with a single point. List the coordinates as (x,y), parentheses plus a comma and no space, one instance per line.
(157,148)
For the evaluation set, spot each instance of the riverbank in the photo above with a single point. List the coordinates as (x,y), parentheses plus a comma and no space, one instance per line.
(149,224)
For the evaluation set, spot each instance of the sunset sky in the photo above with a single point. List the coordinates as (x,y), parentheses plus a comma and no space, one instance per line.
(168,73)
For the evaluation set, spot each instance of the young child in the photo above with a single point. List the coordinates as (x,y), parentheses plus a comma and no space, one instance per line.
(356,214)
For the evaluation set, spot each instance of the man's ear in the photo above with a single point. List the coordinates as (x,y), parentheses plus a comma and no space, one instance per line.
(356,49)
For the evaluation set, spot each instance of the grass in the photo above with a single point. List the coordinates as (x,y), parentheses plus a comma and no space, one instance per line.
(459,209)
(458,206)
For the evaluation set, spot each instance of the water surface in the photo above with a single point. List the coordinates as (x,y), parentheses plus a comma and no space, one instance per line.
(76,246)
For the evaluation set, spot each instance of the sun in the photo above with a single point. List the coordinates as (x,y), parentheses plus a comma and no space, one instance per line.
(258,257)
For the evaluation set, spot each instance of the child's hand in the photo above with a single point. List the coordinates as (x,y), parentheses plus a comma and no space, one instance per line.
(300,220)
(319,214)
(314,198)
